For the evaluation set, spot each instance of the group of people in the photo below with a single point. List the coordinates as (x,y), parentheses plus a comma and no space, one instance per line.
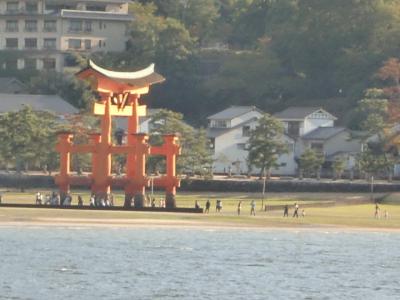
(378,212)
(54,199)
(218,207)
(295,212)
(48,199)
(151,202)
(106,201)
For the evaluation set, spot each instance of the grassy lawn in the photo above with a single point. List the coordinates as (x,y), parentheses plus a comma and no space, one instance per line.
(229,200)
(360,215)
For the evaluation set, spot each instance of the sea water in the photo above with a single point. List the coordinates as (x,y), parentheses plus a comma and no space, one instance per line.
(115,263)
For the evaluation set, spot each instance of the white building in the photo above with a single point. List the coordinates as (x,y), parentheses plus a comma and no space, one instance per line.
(46,33)
(229,132)
(314,127)
(305,127)
(299,121)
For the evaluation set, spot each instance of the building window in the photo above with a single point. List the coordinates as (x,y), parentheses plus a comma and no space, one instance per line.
(219,124)
(49,43)
(11,43)
(74,44)
(212,144)
(319,115)
(293,128)
(246,131)
(31,7)
(31,43)
(11,25)
(50,26)
(49,63)
(102,43)
(241,146)
(75,26)
(88,26)
(70,61)
(11,64)
(30,63)
(96,7)
(30,25)
(317,147)
(12,6)
(88,44)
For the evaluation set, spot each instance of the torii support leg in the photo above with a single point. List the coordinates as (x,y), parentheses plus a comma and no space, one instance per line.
(95,139)
(136,170)
(101,179)
(173,149)
(64,148)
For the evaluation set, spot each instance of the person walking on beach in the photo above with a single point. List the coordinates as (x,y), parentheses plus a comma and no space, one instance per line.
(92,200)
(377,211)
(196,204)
(218,206)
(386,214)
(296,210)
(253,208)
(239,208)
(38,198)
(286,211)
(80,201)
(208,204)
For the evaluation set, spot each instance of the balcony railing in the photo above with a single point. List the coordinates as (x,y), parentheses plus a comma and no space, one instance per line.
(50,29)
(20,12)
(12,29)
(31,29)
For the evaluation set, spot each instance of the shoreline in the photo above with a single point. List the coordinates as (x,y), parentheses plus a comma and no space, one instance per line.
(184,225)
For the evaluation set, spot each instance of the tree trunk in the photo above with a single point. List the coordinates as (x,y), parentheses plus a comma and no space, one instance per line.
(261,173)
(300,174)
(351,175)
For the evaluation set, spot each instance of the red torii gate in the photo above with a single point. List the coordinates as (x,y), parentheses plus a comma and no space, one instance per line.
(119,96)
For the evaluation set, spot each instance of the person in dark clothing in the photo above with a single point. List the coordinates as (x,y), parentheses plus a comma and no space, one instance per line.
(80,200)
(208,204)
(286,211)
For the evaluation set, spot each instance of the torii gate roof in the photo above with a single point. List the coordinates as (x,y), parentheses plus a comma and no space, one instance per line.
(137,79)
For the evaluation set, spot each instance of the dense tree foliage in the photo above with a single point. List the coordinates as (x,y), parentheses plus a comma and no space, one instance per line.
(310,162)
(77,93)
(268,53)
(195,155)
(28,139)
